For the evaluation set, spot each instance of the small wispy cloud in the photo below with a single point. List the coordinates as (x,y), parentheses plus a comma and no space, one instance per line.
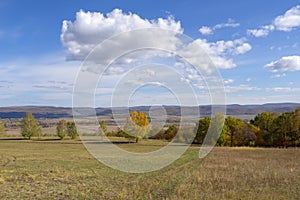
(283,89)
(228,81)
(31,80)
(241,87)
(278,75)
(206,30)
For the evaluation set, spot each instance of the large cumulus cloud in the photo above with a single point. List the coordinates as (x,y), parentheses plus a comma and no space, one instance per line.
(89,29)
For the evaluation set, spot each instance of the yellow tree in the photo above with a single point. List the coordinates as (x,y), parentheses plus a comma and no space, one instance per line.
(137,125)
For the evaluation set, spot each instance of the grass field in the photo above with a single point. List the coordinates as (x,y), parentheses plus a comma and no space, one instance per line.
(65,170)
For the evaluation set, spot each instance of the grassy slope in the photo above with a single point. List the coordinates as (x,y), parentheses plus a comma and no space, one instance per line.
(65,170)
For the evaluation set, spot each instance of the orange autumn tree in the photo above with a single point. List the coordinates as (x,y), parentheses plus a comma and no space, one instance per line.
(137,125)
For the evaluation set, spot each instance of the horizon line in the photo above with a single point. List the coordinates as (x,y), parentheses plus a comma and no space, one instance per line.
(230,104)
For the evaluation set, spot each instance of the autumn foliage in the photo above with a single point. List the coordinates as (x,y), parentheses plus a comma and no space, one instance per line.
(137,125)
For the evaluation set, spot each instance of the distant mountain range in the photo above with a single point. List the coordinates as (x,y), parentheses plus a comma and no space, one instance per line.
(242,111)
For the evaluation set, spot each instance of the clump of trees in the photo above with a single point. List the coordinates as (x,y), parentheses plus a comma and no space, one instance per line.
(278,130)
(266,129)
(168,134)
(66,128)
(30,128)
(136,127)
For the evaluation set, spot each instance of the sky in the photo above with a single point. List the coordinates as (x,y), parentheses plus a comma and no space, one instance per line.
(45,46)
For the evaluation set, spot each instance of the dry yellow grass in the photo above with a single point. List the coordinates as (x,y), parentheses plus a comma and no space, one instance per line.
(65,170)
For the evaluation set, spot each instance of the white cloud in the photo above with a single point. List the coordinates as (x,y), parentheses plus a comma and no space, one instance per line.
(219,52)
(140,83)
(215,51)
(242,87)
(228,81)
(151,72)
(283,89)
(288,63)
(231,47)
(91,28)
(155,83)
(242,48)
(88,29)
(248,79)
(184,80)
(262,32)
(115,70)
(230,23)
(278,75)
(287,22)
(206,30)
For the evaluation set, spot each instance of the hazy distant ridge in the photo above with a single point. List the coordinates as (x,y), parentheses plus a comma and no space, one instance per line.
(64,112)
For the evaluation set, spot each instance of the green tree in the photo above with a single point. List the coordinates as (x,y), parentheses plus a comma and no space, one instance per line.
(217,130)
(62,129)
(2,128)
(72,130)
(248,132)
(214,126)
(264,122)
(219,126)
(202,129)
(29,126)
(283,129)
(171,132)
(234,130)
(296,127)
(137,125)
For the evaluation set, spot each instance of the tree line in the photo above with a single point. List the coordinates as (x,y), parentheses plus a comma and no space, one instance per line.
(266,129)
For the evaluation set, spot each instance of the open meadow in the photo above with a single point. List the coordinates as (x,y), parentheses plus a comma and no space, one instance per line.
(57,169)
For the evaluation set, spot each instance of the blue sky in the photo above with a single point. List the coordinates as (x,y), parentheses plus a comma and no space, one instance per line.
(257,43)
